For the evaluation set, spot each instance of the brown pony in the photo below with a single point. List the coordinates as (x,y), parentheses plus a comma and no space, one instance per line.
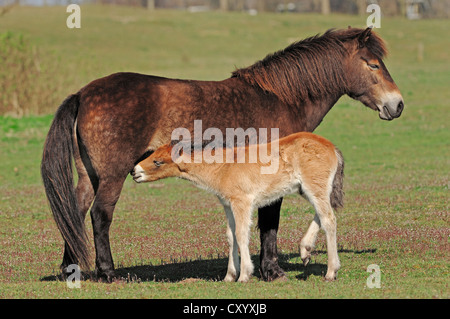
(302,162)
(116,121)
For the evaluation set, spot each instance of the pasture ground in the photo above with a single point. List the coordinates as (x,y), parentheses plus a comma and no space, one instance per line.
(168,238)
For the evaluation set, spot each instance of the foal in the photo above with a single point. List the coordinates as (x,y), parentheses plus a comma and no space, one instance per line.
(307,163)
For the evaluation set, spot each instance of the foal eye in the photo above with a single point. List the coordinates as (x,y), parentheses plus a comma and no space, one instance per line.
(157,163)
(373,66)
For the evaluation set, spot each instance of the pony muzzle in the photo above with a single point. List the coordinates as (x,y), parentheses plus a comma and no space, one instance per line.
(391,109)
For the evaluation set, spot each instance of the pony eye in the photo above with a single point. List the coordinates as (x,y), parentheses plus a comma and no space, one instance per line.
(157,163)
(373,66)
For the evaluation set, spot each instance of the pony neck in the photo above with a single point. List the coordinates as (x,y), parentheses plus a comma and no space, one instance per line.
(311,113)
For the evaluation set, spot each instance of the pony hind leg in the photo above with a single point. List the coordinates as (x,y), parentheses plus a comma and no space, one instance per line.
(87,177)
(101,214)
(85,192)
(85,196)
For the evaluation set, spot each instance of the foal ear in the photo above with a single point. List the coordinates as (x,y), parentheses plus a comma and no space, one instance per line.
(176,151)
(364,36)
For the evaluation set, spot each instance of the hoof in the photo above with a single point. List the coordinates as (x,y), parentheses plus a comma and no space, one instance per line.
(283,278)
(244,279)
(229,278)
(305,254)
(330,278)
(306,261)
(105,276)
(276,274)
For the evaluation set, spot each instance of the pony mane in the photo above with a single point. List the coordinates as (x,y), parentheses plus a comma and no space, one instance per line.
(204,145)
(308,68)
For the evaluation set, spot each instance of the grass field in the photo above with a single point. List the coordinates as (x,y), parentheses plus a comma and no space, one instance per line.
(168,238)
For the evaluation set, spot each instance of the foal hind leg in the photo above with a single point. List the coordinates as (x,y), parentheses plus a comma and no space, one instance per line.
(308,241)
(328,224)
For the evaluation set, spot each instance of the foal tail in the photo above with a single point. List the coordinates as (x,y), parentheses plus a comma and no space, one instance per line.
(337,192)
(57,175)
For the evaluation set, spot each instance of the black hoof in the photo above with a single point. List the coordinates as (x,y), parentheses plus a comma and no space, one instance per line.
(105,276)
(272,273)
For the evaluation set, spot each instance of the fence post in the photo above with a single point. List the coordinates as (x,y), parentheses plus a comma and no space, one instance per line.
(151,5)
(326,7)
(224,5)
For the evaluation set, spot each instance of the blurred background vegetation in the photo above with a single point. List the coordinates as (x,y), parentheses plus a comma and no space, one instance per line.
(42,60)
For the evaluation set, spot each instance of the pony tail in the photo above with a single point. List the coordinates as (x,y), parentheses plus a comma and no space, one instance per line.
(57,175)
(337,192)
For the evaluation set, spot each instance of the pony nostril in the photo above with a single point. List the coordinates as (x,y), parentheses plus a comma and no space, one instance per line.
(399,108)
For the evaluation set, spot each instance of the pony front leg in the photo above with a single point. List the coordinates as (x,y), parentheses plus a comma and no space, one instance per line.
(242,216)
(233,257)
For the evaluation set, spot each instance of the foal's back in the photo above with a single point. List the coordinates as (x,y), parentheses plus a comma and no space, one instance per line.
(306,161)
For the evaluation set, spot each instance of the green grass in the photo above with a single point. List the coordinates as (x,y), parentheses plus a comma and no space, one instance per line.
(168,232)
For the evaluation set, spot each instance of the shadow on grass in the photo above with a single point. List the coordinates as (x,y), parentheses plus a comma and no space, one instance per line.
(208,269)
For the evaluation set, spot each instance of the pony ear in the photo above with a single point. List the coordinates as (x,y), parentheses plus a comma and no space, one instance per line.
(364,36)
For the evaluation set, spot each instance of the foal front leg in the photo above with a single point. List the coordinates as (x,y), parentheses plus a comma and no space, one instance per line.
(233,257)
(242,216)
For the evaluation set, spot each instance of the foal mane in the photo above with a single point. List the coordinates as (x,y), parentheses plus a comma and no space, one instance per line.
(310,68)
